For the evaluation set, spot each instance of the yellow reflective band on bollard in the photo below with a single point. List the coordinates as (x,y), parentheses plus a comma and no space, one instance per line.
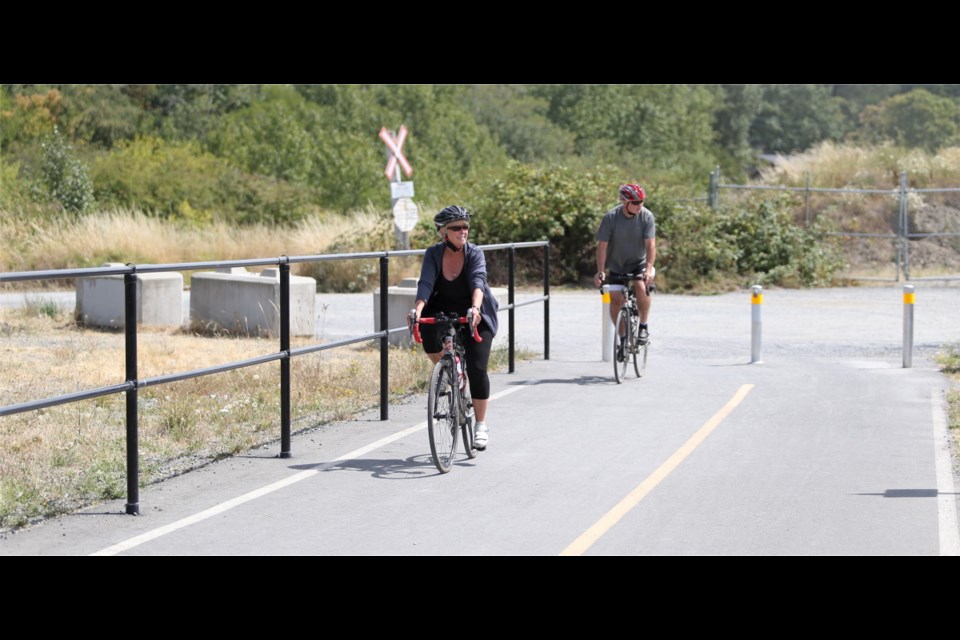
(757,299)
(908,298)
(606,298)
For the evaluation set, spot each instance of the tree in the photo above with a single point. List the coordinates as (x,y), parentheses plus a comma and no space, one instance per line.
(446,145)
(640,127)
(99,114)
(27,113)
(915,119)
(272,136)
(794,117)
(191,111)
(517,119)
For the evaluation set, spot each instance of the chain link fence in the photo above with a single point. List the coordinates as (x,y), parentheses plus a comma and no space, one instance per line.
(885,234)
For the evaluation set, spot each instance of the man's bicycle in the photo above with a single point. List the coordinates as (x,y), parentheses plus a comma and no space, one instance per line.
(627,344)
(449,405)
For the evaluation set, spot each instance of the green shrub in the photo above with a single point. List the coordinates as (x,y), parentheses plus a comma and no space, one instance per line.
(753,240)
(14,191)
(692,251)
(773,249)
(171,180)
(65,178)
(529,203)
(353,275)
(250,198)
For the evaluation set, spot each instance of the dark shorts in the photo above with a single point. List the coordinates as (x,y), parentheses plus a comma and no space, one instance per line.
(621,278)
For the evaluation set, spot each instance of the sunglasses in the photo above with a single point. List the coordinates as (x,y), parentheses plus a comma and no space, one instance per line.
(459,228)
(634,202)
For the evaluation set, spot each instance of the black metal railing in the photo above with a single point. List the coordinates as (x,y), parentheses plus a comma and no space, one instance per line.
(133,383)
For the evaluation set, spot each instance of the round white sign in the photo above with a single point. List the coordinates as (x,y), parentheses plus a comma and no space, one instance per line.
(405,214)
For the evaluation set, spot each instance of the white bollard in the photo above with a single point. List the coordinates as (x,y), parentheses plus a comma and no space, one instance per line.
(756,330)
(606,323)
(908,300)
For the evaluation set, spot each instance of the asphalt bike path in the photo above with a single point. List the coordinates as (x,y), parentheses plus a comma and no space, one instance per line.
(829,447)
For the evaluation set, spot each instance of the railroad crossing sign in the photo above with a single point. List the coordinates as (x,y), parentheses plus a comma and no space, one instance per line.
(401,190)
(395,145)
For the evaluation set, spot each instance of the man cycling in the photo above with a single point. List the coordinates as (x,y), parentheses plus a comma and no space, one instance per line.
(627,243)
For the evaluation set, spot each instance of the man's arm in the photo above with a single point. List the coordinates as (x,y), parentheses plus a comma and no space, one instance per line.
(601,261)
(651,255)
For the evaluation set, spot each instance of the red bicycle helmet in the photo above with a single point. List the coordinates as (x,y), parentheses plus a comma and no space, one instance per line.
(632,192)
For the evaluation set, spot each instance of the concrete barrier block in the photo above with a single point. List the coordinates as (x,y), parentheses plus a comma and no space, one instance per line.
(403,297)
(248,303)
(100,299)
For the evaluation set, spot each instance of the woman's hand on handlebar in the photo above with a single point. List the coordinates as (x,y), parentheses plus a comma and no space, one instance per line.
(474,318)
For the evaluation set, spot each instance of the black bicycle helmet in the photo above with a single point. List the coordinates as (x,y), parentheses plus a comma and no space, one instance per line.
(450,214)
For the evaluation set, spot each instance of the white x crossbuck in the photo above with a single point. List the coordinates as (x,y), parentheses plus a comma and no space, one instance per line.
(395,145)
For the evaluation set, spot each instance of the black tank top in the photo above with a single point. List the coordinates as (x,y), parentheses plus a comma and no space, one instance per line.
(450,296)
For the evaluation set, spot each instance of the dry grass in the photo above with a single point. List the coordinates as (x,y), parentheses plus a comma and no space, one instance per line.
(839,166)
(57,459)
(953,414)
(131,236)
(949,361)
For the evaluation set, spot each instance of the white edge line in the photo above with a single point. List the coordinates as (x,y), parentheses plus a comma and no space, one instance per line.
(270,488)
(946,491)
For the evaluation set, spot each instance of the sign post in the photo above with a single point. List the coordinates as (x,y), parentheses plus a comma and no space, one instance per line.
(404,210)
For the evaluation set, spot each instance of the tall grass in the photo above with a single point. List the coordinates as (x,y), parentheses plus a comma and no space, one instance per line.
(132,236)
(836,166)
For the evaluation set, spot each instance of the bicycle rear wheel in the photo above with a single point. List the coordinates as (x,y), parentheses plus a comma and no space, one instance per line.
(621,341)
(442,414)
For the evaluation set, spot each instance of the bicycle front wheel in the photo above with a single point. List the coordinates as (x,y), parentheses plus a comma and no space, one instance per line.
(622,340)
(469,420)
(640,358)
(442,414)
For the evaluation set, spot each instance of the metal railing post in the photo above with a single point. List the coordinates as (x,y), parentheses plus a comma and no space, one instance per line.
(511,262)
(384,342)
(711,186)
(904,225)
(285,420)
(133,428)
(546,302)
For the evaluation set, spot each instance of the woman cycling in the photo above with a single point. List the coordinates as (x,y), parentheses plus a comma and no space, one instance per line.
(453,279)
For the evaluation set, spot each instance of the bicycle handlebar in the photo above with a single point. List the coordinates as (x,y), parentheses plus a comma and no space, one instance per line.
(451,318)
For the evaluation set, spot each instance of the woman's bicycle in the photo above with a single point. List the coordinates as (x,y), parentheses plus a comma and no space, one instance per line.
(627,344)
(449,405)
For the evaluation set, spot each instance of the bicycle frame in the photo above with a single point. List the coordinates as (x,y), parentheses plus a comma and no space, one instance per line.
(448,397)
(627,345)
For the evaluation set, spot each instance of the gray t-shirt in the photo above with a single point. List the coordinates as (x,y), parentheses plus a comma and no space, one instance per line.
(626,238)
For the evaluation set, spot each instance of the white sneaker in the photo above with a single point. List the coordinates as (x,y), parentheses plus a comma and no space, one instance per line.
(480,436)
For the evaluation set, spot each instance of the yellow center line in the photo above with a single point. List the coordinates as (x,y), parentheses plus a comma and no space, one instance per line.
(587,538)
